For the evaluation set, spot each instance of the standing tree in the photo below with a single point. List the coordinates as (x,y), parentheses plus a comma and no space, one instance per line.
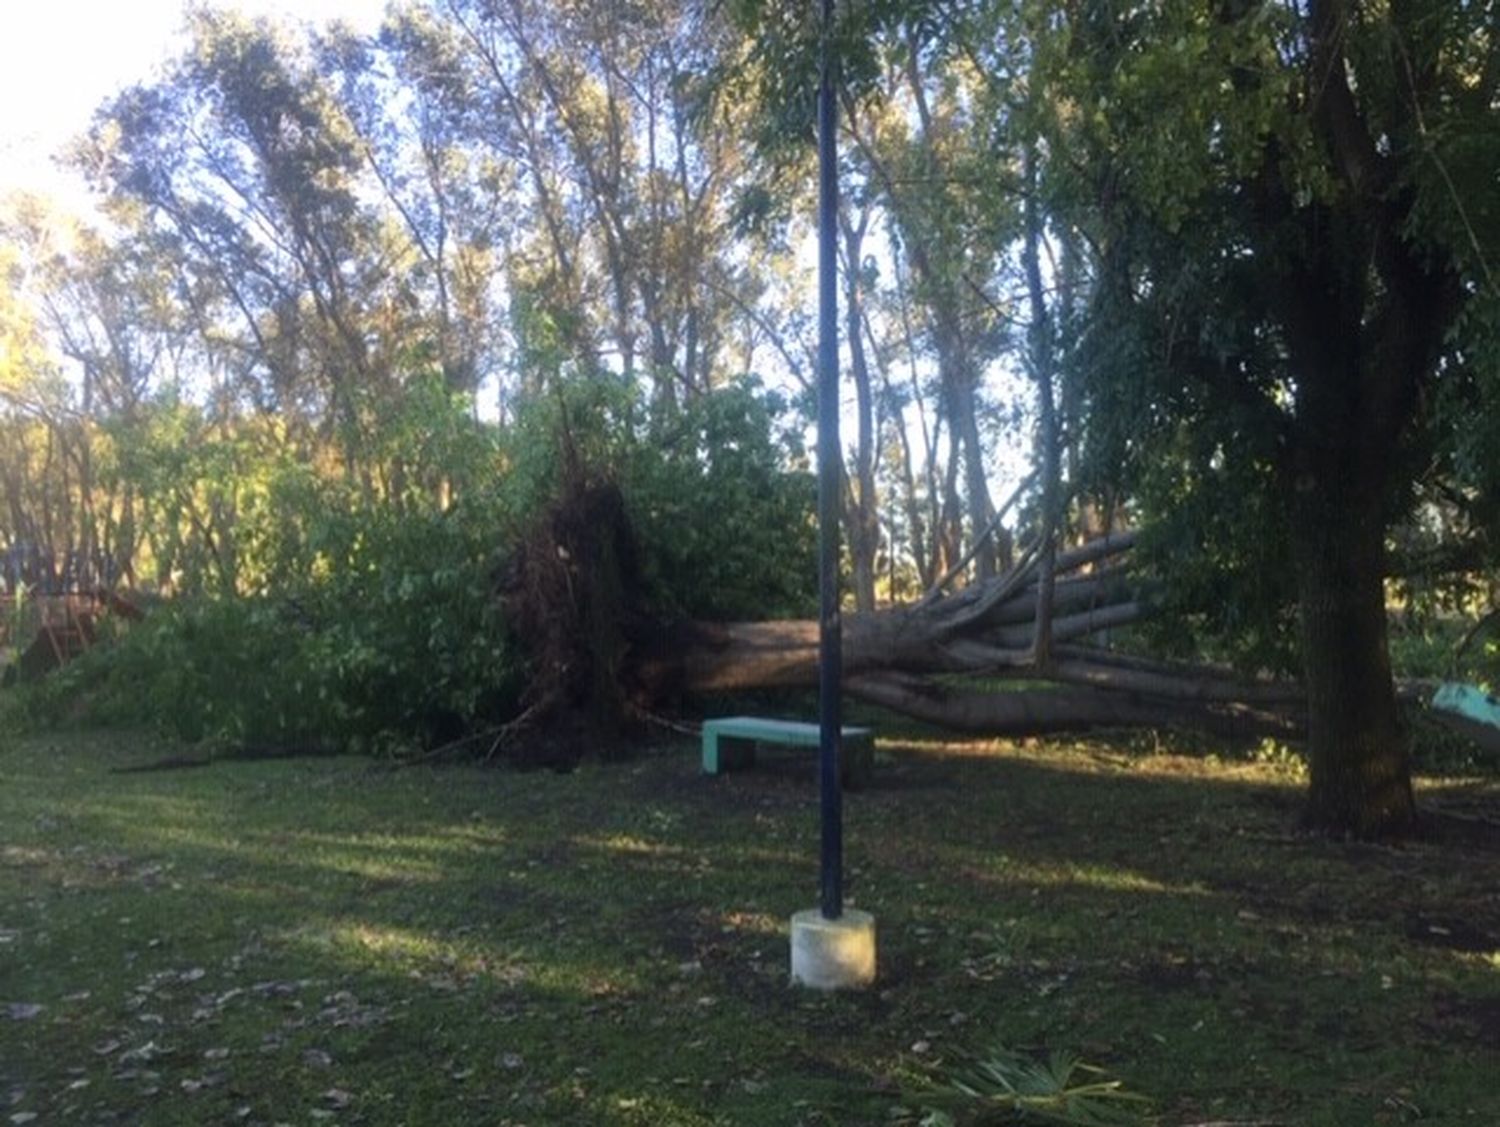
(242,168)
(1290,208)
(1290,213)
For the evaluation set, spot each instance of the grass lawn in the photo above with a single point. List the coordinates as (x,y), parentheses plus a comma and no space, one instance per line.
(320,940)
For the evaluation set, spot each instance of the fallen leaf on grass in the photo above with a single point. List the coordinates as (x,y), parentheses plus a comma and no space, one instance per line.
(344,1010)
(338,1099)
(276,989)
(149,1051)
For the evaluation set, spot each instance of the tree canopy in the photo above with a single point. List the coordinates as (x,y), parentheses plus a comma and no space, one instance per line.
(1222,273)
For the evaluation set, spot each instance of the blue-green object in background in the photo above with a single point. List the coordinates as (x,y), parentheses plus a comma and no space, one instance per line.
(1470,710)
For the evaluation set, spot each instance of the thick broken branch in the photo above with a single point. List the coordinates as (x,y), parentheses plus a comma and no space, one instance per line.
(1040,712)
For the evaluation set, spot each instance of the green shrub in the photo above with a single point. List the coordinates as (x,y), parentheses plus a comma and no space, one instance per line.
(729,532)
(226,671)
(359,624)
(396,646)
(410,628)
(726,530)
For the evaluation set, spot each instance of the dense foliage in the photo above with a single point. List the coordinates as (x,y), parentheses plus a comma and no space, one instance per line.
(378,628)
(357,304)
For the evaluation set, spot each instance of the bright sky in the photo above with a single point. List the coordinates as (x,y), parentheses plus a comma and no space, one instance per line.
(60,58)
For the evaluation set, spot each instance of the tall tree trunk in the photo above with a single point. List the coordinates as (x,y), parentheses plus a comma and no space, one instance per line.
(934,262)
(925,551)
(955,368)
(1366,313)
(1361,778)
(981,509)
(1047,437)
(861,515)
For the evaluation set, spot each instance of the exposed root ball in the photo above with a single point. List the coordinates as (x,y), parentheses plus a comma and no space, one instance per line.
(571,592)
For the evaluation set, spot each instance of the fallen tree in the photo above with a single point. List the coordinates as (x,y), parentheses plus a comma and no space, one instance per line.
(963,660)
(928,660)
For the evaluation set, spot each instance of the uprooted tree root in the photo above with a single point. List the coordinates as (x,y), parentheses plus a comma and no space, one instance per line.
(571,593)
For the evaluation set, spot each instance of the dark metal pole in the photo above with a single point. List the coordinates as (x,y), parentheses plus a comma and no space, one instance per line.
(830,629)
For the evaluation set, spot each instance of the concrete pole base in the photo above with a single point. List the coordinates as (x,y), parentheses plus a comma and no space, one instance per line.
(833,954)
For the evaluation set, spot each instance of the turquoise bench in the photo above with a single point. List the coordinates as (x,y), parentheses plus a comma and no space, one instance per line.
(731,742)
(1470,710)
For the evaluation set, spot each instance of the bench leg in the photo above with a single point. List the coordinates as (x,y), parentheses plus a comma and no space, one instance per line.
(725,753)
(735,753)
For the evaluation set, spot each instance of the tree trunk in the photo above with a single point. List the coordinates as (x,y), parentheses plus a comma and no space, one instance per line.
(571,593)
(1040,347)
(861,516)
(984,630)
(1361,778)
(1037,713)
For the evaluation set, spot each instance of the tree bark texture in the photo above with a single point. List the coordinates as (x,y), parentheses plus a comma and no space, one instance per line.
(1360,776)
(897,658)
(1364,310)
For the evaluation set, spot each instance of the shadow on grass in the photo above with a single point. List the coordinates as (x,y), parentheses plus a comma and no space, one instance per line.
(608,947)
